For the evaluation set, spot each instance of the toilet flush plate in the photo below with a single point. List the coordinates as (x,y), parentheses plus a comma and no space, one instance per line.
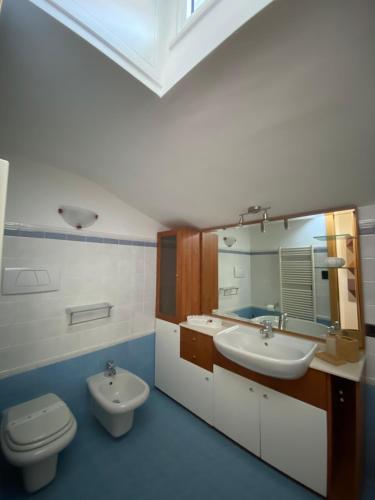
(20,280)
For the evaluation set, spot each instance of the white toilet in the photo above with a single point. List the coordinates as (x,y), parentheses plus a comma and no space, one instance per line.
(32,435)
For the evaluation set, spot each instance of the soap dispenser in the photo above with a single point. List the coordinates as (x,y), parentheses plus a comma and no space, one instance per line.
(331,338)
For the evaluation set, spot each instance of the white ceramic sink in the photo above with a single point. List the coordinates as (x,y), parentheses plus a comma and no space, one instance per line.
(280,356)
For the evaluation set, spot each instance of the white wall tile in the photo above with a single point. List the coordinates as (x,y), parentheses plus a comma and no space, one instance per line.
(34,328)
(367,246)
(369,292)
(368,269)
(369,313)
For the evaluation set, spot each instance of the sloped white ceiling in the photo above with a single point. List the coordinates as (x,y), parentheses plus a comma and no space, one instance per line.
(282,114)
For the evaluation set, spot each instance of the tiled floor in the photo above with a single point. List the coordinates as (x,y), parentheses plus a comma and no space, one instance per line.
(169,455)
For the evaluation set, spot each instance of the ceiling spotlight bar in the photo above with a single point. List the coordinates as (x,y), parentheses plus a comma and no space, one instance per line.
(252,210)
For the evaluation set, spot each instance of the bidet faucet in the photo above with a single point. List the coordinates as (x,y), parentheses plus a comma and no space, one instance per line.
(110,370)
(266,330)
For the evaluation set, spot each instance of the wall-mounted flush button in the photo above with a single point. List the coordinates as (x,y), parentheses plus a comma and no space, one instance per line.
(20,280)
(43,277)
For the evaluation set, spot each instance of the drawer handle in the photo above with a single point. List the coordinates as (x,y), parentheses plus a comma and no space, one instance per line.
(265,396)
(251,389)
(194,356)
(194,339)
(207,379)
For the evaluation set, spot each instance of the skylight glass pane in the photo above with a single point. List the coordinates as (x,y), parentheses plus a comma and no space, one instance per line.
(193,5)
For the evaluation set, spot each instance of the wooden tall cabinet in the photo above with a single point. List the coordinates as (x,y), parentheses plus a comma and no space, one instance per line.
(178,274)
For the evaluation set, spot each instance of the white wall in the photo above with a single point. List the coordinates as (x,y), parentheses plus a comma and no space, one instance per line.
(34,328)
(301,232)
(30,182)
(265,285)
(263,270)
(367,241)
(227,261)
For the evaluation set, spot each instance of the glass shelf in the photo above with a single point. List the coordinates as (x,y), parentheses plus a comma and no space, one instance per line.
(331,237)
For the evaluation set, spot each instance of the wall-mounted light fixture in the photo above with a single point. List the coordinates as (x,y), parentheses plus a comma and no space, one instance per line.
(229,240)
(78,217)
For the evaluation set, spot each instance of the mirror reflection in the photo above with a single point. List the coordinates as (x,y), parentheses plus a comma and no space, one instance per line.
(300,273)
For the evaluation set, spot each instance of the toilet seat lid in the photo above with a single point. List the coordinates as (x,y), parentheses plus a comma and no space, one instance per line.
(36,420)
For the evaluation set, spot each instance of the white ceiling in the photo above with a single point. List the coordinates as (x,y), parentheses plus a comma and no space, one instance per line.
(282,113)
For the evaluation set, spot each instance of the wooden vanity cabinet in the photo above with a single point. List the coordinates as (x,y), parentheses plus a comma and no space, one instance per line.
(196,348)
(178,274)
(309,428)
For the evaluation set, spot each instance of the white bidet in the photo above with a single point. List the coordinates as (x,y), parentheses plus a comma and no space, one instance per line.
(115,394)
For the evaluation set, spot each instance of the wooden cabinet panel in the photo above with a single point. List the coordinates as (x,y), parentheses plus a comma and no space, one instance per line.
(236,408)
(209,273)
(178,274)
(345,429)
(312,388)
(294,438)
(196,348)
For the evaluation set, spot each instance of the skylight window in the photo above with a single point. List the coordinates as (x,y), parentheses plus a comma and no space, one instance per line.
(192,6)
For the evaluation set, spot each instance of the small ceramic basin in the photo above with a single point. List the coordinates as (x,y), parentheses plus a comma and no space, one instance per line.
(114,399)
(280,356)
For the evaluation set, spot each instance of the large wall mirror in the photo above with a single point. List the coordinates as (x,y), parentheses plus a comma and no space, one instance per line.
(300,272)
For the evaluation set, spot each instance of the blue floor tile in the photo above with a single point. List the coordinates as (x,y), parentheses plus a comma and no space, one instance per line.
(169,454)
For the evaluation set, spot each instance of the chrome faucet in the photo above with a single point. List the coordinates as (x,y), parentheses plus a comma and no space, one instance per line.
(266,330)
(110,370)
(283,318)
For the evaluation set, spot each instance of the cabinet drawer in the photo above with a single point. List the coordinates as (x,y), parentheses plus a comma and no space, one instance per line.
(196,348)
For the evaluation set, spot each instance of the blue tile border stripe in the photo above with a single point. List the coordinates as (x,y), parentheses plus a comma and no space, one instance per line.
(76,237)
(53,235)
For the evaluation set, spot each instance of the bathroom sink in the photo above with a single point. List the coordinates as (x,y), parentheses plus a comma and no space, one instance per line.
(280,356)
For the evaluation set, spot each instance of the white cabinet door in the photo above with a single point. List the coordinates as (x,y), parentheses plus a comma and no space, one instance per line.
(294,438)
(167,358)
(183,381)
(196,392)
(236,408)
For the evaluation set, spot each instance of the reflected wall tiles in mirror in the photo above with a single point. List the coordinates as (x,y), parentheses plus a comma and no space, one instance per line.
(308,269)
